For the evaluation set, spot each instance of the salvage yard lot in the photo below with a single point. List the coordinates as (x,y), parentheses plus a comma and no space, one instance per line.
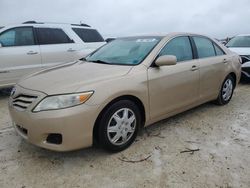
(220,136)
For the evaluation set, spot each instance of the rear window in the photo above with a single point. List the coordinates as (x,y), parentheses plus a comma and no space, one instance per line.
(88,35)
(52,36)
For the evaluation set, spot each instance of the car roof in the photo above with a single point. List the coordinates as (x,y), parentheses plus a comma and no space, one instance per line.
(160,36)
(50,24)
(243,35)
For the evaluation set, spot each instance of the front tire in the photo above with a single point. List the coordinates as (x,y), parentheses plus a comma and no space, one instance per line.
(226,92)
(118,125)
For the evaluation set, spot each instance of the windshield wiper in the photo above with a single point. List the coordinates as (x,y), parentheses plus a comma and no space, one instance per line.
(83,59)
(100,61)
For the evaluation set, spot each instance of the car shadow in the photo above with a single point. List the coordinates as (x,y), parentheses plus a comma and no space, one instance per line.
(34,154)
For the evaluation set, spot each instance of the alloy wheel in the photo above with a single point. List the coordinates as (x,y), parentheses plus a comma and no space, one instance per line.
(227,89)
(121,126)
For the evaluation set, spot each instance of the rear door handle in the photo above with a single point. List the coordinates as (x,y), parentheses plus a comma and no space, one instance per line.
(71,50)
(194,68)
(32,53)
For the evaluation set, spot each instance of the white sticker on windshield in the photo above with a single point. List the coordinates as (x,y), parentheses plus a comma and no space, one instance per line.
(146,40)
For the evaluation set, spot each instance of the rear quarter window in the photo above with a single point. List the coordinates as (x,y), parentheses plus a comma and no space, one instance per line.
(88,35)
(204,47)
(218,50)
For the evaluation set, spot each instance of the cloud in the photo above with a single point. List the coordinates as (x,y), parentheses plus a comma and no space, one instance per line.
(120,18)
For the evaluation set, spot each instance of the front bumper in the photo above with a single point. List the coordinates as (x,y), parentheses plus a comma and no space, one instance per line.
(75,125)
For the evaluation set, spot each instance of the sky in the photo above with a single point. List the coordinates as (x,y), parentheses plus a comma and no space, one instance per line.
(114,18)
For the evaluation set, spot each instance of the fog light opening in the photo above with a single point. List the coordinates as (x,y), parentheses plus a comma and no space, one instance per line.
(22,130)
(54,138)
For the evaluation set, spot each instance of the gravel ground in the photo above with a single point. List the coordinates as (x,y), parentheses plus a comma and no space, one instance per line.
(222,135)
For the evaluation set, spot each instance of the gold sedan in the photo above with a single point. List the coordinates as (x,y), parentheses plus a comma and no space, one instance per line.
(125,85)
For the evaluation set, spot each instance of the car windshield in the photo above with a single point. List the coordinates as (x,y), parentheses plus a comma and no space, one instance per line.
(124,51)
(239,41)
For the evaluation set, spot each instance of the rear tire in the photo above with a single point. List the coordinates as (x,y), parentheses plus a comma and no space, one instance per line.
(118,125)
(226,91)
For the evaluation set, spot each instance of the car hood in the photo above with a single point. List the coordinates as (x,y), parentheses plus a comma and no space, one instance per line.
(70,77)
(241,51)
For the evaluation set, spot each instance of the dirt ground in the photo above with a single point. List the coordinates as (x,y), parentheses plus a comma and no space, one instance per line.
(222,135)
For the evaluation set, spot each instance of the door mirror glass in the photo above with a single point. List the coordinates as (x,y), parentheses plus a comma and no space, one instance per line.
(166,60)
(1,45)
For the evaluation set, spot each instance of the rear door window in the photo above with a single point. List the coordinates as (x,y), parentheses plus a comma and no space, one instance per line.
(179,47)
(88,35)
(204,47)
(20,36)
(52,36)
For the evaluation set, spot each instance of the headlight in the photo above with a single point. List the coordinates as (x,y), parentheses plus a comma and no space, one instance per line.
(62,101)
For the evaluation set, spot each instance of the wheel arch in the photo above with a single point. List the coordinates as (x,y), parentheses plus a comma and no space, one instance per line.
(234,77)
(132,98)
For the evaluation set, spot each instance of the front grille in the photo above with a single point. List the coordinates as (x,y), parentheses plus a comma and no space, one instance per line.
(22,102)
(245,58)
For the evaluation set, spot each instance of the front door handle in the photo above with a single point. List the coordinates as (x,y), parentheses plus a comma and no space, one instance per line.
(194,68)
(32,53)
(225,61)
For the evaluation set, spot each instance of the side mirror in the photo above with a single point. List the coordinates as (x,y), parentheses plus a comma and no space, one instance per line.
(1,45)
(166,60)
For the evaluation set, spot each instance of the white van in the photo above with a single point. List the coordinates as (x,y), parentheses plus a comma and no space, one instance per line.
(32,46)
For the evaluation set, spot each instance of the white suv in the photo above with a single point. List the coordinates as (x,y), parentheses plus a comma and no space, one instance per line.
(241,45)
(32,46)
